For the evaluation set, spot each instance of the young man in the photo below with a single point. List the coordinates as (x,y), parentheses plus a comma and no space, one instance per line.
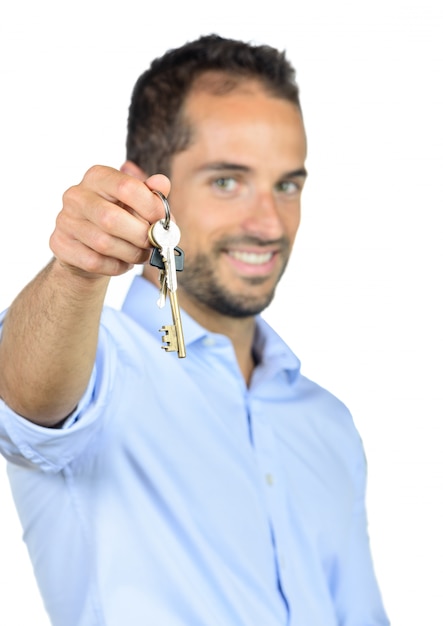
(222,488)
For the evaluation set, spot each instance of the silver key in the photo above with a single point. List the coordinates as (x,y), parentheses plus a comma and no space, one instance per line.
(166,239)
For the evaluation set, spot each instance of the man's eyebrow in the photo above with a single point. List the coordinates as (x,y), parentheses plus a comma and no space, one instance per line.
(226,165)
(299,173)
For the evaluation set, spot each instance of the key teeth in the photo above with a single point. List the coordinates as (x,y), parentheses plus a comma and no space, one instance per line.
(169,338)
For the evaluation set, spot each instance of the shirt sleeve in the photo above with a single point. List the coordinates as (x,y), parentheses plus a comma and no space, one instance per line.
(50,449)
(358,597)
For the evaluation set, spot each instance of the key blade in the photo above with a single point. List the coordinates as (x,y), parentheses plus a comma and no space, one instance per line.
(161,302)
(178,328)
(171,271)
(163,289)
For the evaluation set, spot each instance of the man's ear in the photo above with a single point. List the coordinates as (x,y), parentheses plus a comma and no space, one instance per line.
(132,169)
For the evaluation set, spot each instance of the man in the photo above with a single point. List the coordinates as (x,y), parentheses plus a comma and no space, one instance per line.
(222,488)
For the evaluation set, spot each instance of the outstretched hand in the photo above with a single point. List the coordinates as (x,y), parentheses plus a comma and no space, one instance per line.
(102,228)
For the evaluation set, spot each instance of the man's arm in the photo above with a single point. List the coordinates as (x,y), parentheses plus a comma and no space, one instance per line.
(49,338)
(48,344)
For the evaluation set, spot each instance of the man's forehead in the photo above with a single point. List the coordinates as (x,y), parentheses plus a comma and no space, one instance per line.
(239,114)
(213,90)
(221,82)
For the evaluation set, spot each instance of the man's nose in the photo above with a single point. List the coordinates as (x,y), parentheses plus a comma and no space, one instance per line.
(263,217)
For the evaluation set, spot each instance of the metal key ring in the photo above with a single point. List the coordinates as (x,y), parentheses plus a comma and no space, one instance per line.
(163,198)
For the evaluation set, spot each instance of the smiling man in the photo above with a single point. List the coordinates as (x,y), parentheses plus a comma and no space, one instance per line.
(220,489)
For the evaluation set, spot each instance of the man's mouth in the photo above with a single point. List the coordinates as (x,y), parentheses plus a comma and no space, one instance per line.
(251,258)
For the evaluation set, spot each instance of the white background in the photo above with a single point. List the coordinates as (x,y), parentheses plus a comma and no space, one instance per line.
(361,302)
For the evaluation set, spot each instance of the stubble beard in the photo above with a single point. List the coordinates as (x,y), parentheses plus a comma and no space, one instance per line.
(201,283)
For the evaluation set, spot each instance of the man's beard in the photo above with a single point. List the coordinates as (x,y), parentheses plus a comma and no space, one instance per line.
(200,282)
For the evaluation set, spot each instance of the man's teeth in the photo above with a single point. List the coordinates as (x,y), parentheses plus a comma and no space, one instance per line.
(253,258)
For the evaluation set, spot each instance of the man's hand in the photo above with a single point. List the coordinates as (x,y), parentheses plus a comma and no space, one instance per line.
(102,229)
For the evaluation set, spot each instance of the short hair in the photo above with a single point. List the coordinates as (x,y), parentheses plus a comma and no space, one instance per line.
(156,128)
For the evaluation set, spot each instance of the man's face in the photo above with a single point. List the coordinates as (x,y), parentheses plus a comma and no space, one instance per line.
(236,198)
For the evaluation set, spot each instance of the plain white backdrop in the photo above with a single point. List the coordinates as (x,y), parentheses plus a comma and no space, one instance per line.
(361,303)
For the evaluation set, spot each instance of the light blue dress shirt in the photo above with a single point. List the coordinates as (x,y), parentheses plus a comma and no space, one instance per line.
(177,496)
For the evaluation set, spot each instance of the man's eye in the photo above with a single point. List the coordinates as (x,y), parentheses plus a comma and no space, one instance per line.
(288,187)
(225,183)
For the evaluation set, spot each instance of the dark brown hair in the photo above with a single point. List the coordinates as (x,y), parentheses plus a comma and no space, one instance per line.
(156,128)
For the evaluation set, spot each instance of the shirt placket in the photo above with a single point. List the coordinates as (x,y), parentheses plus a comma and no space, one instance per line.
(273,490)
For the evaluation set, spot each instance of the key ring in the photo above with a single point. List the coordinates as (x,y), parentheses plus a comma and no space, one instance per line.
(163,198)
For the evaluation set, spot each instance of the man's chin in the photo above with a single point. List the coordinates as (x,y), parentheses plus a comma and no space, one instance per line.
(243,305)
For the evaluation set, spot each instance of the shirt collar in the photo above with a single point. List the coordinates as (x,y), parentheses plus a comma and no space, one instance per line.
(140,305)
(272,352)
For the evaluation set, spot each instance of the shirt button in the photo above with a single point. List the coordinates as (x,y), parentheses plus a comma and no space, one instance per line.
(269,479)
(209,342)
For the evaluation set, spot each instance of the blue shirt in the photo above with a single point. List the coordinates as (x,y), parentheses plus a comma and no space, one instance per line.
(178,496)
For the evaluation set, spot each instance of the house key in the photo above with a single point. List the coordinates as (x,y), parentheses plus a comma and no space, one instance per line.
(165,236)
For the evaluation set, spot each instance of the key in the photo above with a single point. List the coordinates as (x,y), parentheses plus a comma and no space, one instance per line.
(166,239)
(163,288)
(173,338)
(157,261)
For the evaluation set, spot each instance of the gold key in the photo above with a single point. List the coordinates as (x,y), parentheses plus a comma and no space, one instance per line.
(173,337)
